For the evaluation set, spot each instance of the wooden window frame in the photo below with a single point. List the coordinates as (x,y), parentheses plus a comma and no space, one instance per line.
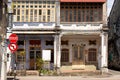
(65,56)
(65,42)
(49,42)
(20,58)
(35,50)
(91,56)
(32,5)
(85,12)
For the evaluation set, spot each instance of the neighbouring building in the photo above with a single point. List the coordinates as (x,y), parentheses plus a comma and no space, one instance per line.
(74,31)
(114,36)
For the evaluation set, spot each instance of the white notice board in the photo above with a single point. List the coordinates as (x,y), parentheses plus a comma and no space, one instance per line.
(46,55)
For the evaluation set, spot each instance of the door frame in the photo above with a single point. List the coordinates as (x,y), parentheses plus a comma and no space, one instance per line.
(35,57)
(78,62)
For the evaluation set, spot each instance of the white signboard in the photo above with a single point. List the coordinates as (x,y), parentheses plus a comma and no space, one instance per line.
(46,55)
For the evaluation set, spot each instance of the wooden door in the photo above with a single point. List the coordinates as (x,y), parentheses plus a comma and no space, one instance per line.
(32,60)
(78,55)
(35,52)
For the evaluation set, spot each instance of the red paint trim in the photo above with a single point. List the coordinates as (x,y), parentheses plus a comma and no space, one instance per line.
(82,0)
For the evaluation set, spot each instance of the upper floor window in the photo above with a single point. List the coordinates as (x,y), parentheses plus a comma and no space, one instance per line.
(36,11)
(48,12)
(14,11)
(18,12)
(81,12)
(40,12)
(18,18)
(22,6)
(27,12)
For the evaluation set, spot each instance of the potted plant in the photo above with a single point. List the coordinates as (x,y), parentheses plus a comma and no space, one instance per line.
(22,54)
(39,64)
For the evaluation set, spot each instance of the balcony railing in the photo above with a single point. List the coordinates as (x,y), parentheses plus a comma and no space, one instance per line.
(32,25)
(81,26)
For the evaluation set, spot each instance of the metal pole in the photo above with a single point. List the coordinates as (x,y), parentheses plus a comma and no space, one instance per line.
(14,67)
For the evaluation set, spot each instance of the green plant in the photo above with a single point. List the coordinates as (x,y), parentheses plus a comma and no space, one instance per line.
(44,71)
(47,72)
(22,53)
(39,64)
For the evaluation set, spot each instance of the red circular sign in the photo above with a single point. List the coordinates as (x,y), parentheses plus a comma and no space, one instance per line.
(13,47)
(13,38)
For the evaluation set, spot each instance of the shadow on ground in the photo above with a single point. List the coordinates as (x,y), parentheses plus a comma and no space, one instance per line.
(12,79)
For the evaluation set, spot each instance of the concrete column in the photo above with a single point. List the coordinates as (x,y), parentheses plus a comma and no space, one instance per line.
(99,57)
(104,52)
(57,51)
(105,13)
(55,43)
(57,13)
(70,52)
(27,53)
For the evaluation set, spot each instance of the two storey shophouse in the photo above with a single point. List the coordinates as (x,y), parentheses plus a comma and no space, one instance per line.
(74,30)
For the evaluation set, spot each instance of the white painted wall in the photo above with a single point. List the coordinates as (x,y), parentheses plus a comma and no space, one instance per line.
(97,26)
(72,40)
(43,45)
(75,39)
(104,52)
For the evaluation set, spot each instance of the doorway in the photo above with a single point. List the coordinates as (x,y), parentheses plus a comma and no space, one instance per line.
(34,53)
(78,55)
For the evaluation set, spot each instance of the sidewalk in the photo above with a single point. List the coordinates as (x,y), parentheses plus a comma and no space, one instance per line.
(65,78)
(113,75)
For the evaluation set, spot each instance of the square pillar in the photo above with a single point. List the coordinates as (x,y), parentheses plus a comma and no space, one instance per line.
(27,53)
(57,13)
(57,51)
(104,13)
(104,52)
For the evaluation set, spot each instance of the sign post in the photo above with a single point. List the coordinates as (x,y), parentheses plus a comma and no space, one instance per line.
(13,38)
(13,47)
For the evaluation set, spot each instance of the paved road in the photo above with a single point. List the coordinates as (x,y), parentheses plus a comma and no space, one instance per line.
(114,75)
(65,78)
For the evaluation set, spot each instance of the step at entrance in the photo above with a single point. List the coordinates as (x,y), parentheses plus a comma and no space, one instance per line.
(78,67)
(90,67)
(32,73)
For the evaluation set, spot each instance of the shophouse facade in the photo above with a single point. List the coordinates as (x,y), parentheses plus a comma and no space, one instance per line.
(74,31)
